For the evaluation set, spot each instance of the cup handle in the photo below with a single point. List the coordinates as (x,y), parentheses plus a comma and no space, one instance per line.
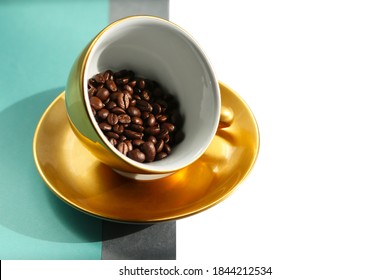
(226,117)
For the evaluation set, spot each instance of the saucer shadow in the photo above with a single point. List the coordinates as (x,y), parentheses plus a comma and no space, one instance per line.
(27,206)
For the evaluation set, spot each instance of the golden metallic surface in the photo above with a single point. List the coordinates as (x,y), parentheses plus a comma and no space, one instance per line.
(78,178)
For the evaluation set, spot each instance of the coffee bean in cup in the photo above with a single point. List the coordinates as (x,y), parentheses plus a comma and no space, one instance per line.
(138,117)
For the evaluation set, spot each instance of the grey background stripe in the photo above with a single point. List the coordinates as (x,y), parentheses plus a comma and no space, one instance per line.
(131,241)
(139,242)
(123,8)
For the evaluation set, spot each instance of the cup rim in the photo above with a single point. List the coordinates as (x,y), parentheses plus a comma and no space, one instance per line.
(214,83)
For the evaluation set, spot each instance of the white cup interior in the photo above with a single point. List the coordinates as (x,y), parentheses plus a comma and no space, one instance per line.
(160,50)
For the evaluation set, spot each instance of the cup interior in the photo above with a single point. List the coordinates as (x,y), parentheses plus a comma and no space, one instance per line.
(160,50)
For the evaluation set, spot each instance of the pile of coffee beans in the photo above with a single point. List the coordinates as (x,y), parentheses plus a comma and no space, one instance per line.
(139,118)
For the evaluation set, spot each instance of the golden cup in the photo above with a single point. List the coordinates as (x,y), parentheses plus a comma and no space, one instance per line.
(159,50)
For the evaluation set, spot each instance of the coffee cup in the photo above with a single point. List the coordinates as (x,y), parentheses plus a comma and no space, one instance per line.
(162,51)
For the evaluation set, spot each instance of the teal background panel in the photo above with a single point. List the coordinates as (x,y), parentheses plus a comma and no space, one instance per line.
(40,40)
(38,44)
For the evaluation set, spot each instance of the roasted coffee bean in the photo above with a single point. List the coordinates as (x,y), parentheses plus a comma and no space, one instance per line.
(91,91)
(145,95)
(167,139)
(122,81)
(160,156)
(134,111)
(144,105)
(118,128)
(108,75)
(122,148)
(96,103)
(162,134)
(152,139)
(138,142)
(151,120)
(128,88)
(118,111)
(141,83)
(156,108)
(132,134)
(161,118)
(145,115)
(168,126)
(111,105)
(120,100)
(127,98)
(103,94)
(111,134)
(110,84)
(112,119)
(114,95)
(99,78)
(133,102)
(113,141)
(167,148)
(105,126)
(136,127)
(133,83)
(129,144)
(149,150)
(92,83)
(123,118)
(136,155)
(153,130)
(159,145)
(136,96)
(138,118)
(103,114)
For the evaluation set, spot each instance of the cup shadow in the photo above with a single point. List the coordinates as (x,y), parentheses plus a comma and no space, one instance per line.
(27,206)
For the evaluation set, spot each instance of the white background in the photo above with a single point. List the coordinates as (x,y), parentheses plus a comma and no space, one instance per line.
(316,74)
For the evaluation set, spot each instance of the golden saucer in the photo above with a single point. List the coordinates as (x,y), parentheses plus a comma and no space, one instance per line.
(79,179)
